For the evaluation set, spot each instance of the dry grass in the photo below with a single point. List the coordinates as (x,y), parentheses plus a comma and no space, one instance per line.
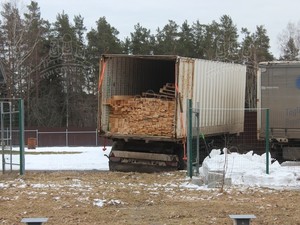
(134,198)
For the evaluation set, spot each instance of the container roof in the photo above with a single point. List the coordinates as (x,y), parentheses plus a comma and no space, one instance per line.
(279,64)
(154,57)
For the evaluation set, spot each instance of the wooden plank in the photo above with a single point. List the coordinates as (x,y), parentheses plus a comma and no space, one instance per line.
(166,89)
(146,94)
(170,85)
(166,93)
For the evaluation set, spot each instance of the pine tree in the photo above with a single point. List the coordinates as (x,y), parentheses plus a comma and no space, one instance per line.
(210,41)
(254,49)
(12,30)
(185,41)
(167,39)
(141,41)
(35,39)
(198,33)
(227,43)
(103,39)
(262,45)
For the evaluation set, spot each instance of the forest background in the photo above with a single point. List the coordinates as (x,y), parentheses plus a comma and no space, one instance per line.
(54,65)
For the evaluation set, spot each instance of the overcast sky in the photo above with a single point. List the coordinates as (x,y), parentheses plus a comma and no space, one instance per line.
(124,14)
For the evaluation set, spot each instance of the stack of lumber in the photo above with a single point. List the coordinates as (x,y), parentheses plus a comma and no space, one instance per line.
(141,116)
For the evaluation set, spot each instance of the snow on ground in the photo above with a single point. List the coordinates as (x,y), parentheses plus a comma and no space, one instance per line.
(70,158)
(250,170)
(243,169)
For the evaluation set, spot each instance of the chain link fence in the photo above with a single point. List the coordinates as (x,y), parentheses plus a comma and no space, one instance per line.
(48,137)
(232,130)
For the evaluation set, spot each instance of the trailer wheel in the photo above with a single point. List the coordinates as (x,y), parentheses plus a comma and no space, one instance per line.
(277,152)
(182,164)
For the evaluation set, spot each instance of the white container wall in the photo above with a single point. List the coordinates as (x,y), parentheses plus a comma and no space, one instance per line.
(217,89)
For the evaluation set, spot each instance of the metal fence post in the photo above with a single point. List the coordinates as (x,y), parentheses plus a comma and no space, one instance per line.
(198,142)
(2,137)
(189,138)
(67,143)
(21,135)
(96,137)
(267,142)
(37,137)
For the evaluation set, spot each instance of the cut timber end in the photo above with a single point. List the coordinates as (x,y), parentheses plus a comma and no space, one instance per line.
(142,116)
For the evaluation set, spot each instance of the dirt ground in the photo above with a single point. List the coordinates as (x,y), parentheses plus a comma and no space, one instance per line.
(134,198)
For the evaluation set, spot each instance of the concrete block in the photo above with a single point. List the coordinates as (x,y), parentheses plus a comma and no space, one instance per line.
(197,181)
(34,221)
(242,219)
(216,180)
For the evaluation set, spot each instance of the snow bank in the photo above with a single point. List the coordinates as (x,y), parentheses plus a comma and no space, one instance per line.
(249,170)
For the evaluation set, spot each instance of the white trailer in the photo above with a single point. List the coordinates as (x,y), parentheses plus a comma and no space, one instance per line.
(279,91)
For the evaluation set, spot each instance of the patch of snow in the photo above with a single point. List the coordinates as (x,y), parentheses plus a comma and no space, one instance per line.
(3,186)
(115,202)
(99,202)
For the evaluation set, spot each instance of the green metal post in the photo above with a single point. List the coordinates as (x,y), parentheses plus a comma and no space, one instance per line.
(267,142)
(2,137)
(198,142)
(21,135)
(189,138)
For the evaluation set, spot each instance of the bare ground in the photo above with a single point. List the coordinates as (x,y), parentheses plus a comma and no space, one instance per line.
(134,198)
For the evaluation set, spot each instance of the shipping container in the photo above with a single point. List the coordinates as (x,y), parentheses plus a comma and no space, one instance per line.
(128,83)
(213,86)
